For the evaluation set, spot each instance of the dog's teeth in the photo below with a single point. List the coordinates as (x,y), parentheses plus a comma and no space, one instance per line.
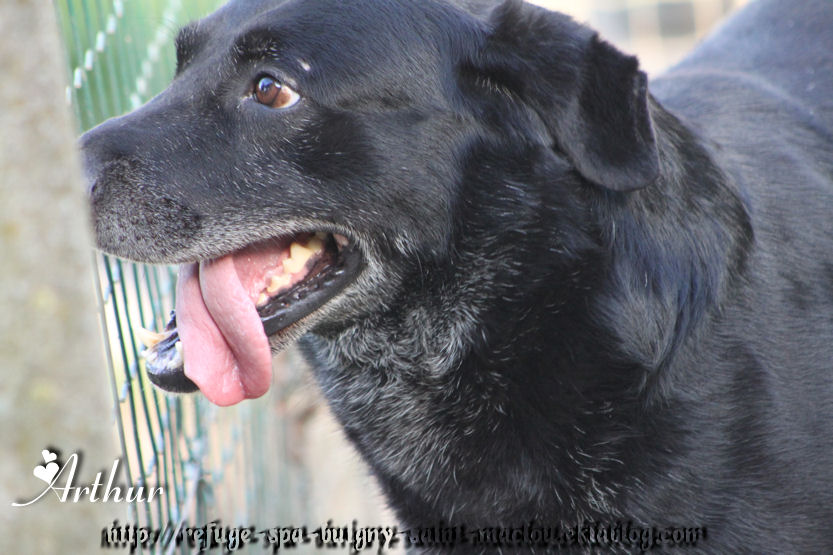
(292,265)
(316,245)
(179,359)
(262,300)
(341,240)
(298,251)
(298,257)
(278,282)
(321,235)
(149,338)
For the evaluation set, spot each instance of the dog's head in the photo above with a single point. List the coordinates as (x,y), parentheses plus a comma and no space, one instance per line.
(311,159)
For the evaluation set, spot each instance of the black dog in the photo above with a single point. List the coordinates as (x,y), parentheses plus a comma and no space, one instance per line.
(531,291)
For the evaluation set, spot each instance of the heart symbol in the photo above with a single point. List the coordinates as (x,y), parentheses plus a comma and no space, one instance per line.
(46,473)
(48,456)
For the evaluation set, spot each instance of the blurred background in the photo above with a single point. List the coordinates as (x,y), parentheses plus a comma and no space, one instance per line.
(659,32)
(72,367)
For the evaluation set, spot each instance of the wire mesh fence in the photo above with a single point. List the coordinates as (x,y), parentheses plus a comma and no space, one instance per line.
(231,464)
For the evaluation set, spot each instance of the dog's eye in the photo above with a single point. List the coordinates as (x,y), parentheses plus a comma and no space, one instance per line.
(270,92)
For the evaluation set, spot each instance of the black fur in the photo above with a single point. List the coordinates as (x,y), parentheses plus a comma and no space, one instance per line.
(581,300)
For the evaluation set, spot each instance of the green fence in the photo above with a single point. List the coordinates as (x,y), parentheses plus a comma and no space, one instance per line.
(229,464)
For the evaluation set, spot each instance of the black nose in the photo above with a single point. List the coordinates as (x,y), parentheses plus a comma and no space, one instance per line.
(89,162)
(107,144)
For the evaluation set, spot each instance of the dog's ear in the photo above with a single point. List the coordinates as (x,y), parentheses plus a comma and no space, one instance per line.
(592,98)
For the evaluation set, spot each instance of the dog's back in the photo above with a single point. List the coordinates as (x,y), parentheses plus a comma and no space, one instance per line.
(759,92)
(774,56)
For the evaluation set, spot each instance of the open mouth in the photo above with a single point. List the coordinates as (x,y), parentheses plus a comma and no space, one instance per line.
(226,309)
(307,274)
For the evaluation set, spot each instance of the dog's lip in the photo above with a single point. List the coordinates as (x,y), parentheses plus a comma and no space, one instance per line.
(163,360)
(329,276)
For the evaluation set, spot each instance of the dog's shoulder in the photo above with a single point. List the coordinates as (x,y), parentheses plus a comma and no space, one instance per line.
(775,51)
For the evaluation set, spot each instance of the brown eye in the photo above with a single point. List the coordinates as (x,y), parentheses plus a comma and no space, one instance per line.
(272,93)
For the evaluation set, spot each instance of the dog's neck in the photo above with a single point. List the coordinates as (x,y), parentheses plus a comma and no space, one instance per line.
(591,379)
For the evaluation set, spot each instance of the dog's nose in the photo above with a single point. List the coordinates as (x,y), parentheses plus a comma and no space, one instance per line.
(102,146)
(95,152)
(89,164)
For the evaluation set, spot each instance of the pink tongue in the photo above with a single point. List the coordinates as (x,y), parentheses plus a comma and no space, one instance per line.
(225,349)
